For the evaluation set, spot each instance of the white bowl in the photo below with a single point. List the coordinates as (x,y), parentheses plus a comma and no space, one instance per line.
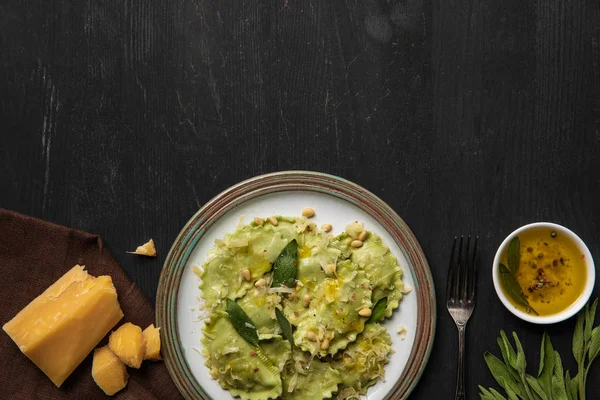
(573,308)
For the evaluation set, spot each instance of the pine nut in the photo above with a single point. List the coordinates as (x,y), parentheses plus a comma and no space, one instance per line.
(330,269)
(365,312)
(311,336)
(260,283)
(306,300)
(356,243)
(325,344)
(362,236)
(327,227)
(245,274)
(259,221)
(308,212)
(273,221)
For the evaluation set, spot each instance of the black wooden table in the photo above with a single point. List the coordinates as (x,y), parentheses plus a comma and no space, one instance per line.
(123,117)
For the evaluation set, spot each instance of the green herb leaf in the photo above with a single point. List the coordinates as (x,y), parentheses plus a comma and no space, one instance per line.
(521,363)
(501,373)
(378,312)
(558,381)
(534,384)
(558,389)
(286,266)
(513,289)
(546,364)
(573,387)
(578,338)
(568,387)
(514,254)
(242,322)
(485,394)
(594,345)
(590,316)
(497,395)
(509,355)
(286,327)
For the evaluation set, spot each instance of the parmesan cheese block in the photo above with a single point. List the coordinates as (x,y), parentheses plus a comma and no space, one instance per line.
(127,343)
(108,371)
(152,342)
(60,327)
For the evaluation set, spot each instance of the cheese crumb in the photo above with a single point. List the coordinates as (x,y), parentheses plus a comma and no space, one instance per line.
(401,330)
(147,249)
(406,289)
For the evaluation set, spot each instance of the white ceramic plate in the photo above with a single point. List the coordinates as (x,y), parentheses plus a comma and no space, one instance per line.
(185,361)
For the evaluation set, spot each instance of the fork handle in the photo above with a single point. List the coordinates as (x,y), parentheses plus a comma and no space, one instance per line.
(460,375)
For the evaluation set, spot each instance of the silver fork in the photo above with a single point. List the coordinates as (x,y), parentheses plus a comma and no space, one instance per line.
(460,298)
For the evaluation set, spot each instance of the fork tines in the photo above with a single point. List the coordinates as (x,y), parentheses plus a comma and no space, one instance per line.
(461,274)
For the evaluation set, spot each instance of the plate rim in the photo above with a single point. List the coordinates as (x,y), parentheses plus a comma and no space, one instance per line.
(193,230)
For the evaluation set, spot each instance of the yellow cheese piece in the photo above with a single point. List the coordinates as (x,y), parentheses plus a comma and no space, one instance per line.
(147,249)
(127,343)
(152,341)
(108,371)
(60,327)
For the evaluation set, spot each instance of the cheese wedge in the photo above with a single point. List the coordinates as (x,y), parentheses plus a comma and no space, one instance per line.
(108,371)
(127,343)
(60,327)
(152,342)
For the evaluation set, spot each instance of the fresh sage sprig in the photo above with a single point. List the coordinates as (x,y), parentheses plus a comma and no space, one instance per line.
(552,382)
(285,325)
(378,311)
(242,322)
(586,346)
(286,266)
(508,275)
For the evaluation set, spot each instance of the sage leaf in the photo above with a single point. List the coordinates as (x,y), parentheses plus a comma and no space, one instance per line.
(242,322)
(497,395)
(590,316)
(594,346)
(485,394)
(501,373)
(285,325)
(509,355)
(578,339)
(512,395)
(285,267)
(514,254)
(558,381)
(378,312)
(558,389)
(546,364)
(521,363)
(534,384)
(573,387)
(568,386)
(513,289)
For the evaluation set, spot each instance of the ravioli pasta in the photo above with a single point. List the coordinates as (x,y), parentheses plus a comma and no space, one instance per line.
(337,351)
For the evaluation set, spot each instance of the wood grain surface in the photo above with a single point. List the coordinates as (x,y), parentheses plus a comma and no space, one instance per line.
(123,117)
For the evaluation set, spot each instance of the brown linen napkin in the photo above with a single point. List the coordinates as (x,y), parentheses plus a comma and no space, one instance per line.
(33,255)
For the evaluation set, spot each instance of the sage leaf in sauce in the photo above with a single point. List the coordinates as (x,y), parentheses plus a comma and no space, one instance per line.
(285,325)
(378,312)
(513,289)
(242,322)
(514,254)
(286,266)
